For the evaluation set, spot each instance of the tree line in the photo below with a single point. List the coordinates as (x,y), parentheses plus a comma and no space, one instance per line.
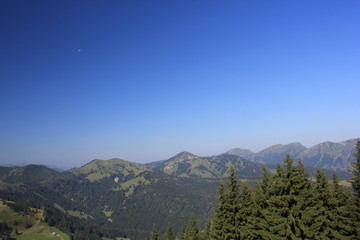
(288,204)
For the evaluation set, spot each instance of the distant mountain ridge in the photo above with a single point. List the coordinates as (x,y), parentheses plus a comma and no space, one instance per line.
(327,155)
(244,153)
(131,197)
(31,174)
(186,164)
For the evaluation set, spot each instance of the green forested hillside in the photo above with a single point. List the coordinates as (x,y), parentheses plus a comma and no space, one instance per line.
(99,169)
(116,198)
(123,196)
(191,166)
(36,174)
(22,222)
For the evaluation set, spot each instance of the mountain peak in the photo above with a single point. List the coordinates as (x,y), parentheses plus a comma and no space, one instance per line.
(184,156)
(288,148)
(98,169)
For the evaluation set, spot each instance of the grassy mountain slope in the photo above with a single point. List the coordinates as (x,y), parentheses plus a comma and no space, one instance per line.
(180,157)
(191,166)
(99,169)
(117,174)
(141,195)
(26,223)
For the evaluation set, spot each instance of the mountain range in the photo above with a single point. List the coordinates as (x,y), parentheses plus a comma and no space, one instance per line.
(125,199)
(125,196)
(326,155)
(186,164)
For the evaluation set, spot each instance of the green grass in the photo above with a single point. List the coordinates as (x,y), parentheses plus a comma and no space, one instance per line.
(45,235)
(129,186)
(36,236)
(9,216)
(63,235)
(99,169)
(108,213)
(79,214)
(104,238)
(96,176)
(135,182)
(38,230)
(59,207)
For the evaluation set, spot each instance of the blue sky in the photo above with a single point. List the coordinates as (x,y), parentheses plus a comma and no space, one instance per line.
(144,80)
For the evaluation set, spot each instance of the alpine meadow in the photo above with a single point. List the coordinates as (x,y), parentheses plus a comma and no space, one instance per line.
(179,120)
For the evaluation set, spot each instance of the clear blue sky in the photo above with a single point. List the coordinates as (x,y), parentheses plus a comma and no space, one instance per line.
(144,80)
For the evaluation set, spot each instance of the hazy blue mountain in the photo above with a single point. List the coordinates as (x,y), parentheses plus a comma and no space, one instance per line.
(13,165)
(244,153)
(327,155)
(277,153)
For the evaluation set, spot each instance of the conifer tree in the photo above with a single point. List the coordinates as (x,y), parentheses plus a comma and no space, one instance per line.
(258,219)
(246,213)
(287,200)
(265,180)
(225,224)
(216,227)
(356,187)
(169,235)
(320,216)
(205,234)
(346,224)
(259,227)
(232,206)
(183,234)
(155,233)
(193,230)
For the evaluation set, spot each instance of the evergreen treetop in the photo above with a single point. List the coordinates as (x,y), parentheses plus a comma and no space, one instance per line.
(169,235)
(155,233)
